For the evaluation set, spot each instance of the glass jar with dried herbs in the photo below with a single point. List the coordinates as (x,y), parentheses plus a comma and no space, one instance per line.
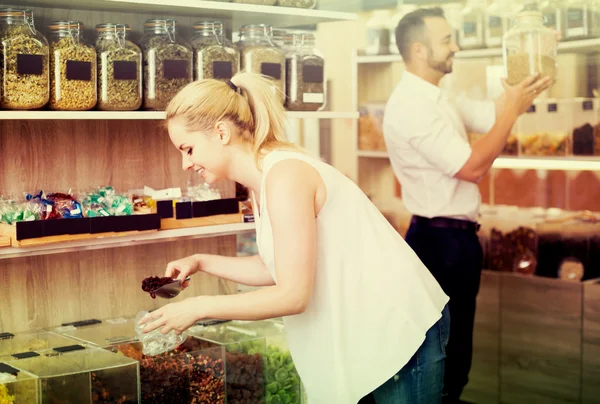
(260,55)
(72,67)
(24,52)
(119,69)
(168,63)
(215,57)
(305,73)
(529,48)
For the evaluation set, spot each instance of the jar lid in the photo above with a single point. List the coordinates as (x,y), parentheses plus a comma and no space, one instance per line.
(208,24)
(65,25)
(159,22)
(110,26)
(15,12)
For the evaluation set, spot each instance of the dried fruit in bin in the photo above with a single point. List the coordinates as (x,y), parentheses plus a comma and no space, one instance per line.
(283,383)
(5,397)
(152,283)
(544,144)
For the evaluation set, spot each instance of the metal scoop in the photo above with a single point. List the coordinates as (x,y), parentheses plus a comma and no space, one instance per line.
(171,289)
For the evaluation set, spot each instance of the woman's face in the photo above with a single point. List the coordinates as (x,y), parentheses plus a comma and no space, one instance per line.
(203,152)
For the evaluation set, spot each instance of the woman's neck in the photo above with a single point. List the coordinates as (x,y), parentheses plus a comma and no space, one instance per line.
(244,171)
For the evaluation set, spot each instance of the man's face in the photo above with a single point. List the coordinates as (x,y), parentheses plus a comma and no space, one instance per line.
(441,47)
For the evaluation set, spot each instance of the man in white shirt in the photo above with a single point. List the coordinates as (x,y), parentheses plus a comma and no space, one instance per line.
(426,137)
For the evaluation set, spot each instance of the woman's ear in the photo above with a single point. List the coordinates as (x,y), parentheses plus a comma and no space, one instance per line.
(224,132)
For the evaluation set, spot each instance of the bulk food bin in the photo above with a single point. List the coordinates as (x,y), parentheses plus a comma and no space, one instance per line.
(17,386)
(76,374)
(546,129)
(191,373)
(244,356)
(281,378)
(26,343)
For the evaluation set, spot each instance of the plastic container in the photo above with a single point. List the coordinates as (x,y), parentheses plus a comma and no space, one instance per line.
(529,48)
(72,66)
(25,343)
(583,20)
(370,127)
(378,33)
(244,361)
(472,32)
(119,69)
(497,20)
(25,78)
(259,54)
(401,10)
(215,57)
(546,130)
(75,374)
(585,119)
(555,16)
(281,378)
(297,3)
(305,73)
(168,63)
(192,372)
(17,386)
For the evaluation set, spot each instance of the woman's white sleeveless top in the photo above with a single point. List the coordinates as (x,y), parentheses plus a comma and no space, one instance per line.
(373,300)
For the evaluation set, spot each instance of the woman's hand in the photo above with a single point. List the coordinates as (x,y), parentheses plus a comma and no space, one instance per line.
(182,268)
(174,316)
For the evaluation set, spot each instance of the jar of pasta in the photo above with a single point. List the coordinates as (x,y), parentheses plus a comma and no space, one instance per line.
(119,69)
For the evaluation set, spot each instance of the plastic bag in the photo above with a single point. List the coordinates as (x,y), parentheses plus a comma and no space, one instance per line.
(154,343)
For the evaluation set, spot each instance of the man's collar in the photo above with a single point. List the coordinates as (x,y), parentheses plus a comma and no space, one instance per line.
(421,86)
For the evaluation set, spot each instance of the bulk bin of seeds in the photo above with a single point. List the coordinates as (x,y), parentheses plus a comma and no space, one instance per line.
(215,57)
(24,53)
(119,69)
(258,54)
(190,373)
(305,73)
(72,68)
(75,374)
(168,63)
(17,386)
(244,361)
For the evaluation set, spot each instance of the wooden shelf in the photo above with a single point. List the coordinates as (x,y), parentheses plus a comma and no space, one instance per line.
(144,115)
(238,13)
(160,236)
(582,46)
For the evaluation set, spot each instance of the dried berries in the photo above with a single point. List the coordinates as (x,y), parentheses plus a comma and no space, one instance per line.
(25,79)
(152,283)
(508,250)
(73,78)
(103,395)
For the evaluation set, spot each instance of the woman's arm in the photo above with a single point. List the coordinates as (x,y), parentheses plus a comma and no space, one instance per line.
(250,271)
(292,211)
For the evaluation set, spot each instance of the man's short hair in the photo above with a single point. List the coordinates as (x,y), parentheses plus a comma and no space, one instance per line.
(411,28)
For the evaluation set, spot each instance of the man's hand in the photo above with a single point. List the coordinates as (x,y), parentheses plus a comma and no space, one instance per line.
(520,97)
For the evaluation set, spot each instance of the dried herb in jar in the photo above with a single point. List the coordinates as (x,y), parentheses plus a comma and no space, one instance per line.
(267,61)
(215,57)
(519,67)
(305,76)
(25,72)
(73,78)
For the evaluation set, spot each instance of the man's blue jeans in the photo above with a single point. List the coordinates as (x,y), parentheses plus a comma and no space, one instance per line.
(421,380)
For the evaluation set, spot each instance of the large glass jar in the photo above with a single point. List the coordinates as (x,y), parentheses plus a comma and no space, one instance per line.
(583,20)
(215,57)
(24,52)
(529,48)
(401,10)
(471,35)
(297,3)
(72,67)
(305,73)
(378,33)
(555,15)
(168,63)
(497,17)
(119,69)
(260,55)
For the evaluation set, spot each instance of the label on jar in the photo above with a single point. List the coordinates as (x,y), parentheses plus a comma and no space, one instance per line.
(77,70)
(469,28)
(175,69)
(550,20)
(575,22)
(30,64)
(222,70)
(317,98)
(124,70)
(271,69)
(313,74)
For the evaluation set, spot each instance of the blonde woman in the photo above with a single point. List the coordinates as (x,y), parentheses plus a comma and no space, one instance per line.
(362,313)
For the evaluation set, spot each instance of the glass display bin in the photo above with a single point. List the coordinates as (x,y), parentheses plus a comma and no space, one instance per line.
(244,356)
(76,374)
(17,386)
(191,373)
(586,136)
(546,129)
(25,343)
(370,127)
(281,378)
